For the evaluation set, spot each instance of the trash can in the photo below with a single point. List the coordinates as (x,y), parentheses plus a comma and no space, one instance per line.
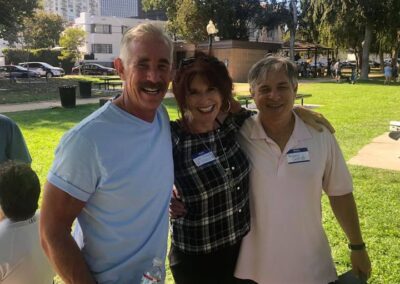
(85,89)
(67,96)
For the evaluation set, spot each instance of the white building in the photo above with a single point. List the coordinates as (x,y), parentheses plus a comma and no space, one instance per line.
(71,9)
(104,34)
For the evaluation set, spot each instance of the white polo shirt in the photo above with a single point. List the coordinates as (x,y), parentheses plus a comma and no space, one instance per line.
(287,243)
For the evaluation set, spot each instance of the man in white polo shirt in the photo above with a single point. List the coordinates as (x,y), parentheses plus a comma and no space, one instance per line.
(291,165)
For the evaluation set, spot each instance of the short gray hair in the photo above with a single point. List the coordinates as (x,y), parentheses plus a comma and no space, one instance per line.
(140,31)
(260,70)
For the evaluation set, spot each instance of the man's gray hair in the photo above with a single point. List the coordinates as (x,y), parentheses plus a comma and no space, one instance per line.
(260,70)
(141,31)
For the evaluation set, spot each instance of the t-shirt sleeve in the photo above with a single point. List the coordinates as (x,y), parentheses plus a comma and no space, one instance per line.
(337,179)
(17,149)
(76,167)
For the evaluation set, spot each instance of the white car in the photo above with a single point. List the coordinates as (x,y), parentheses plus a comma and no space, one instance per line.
(44,69)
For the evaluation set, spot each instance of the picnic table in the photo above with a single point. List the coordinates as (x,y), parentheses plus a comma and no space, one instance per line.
(110,81)
(248,98)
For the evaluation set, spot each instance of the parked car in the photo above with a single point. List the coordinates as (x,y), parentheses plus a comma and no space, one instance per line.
(15,71)
(44,69)
(93,69)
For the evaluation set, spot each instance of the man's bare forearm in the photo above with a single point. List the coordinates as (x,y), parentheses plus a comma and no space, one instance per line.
(66,257)
(345,210)
(58,212)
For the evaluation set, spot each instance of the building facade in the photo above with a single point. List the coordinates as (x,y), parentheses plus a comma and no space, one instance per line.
(71,9)
(104,34)
(120,8)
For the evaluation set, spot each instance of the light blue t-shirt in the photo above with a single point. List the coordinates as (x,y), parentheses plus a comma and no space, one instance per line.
(122,167)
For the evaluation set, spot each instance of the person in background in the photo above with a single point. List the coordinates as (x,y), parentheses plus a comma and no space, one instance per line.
(22,259)
(337,71)
(387,71)
(12,143)
(210,209)
(291,165)
(113,172)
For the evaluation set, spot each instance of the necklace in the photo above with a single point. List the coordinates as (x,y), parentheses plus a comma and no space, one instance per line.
(228,176)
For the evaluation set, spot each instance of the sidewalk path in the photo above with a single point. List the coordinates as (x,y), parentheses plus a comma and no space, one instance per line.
(4,108)
(45,105)
(383,153)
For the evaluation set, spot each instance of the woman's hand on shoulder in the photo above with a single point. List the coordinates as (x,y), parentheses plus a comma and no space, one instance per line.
(314,119)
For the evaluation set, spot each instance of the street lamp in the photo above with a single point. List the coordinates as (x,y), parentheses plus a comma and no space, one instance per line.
(211,31)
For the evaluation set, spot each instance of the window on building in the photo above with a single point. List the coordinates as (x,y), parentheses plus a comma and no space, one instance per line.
(100,29)
(124,29)
(101,48)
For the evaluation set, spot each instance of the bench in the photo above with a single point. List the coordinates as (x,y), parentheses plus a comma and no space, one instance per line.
(114,84)
(101,84)
(248,98)
(302,97)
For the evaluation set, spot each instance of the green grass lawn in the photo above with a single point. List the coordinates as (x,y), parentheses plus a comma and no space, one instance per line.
(359,113)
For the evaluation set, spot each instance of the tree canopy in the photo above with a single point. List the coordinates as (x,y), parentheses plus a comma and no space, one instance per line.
(70,40)
(12,14)
(42,30)
(188,18)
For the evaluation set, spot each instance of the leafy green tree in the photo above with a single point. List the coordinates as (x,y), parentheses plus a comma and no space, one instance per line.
(12,14)
(189,18)
(43,30)
(71,39)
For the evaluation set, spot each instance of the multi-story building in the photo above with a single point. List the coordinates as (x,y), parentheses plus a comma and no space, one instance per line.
(119,8)
(104,34)
(71,9)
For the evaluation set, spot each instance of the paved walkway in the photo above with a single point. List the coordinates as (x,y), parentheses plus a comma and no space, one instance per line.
(383,153)
(44,105)
(4,108)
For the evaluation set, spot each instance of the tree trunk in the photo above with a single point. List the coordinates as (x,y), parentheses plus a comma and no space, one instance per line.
(395,54)
(293,28)
(381,59)
(365,55)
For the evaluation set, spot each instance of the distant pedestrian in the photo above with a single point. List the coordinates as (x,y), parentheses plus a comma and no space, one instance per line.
(388,73)
(336,70)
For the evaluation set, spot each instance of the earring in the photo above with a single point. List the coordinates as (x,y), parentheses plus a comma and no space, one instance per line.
(187,114)
(229,107)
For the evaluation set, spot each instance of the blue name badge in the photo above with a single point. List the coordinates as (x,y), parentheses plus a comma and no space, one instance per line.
(203,157)
(299,155)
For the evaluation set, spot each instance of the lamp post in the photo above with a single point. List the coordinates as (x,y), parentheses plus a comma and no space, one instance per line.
(211,31)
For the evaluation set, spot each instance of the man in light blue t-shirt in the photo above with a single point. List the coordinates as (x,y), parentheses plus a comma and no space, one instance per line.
(113,173)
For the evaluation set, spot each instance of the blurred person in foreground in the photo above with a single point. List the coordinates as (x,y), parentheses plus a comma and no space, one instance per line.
(12,143)
(292,164)
(113,173)
(22,259)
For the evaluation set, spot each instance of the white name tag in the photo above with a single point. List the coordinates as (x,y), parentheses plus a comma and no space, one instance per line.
(203,158)
(299,155)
